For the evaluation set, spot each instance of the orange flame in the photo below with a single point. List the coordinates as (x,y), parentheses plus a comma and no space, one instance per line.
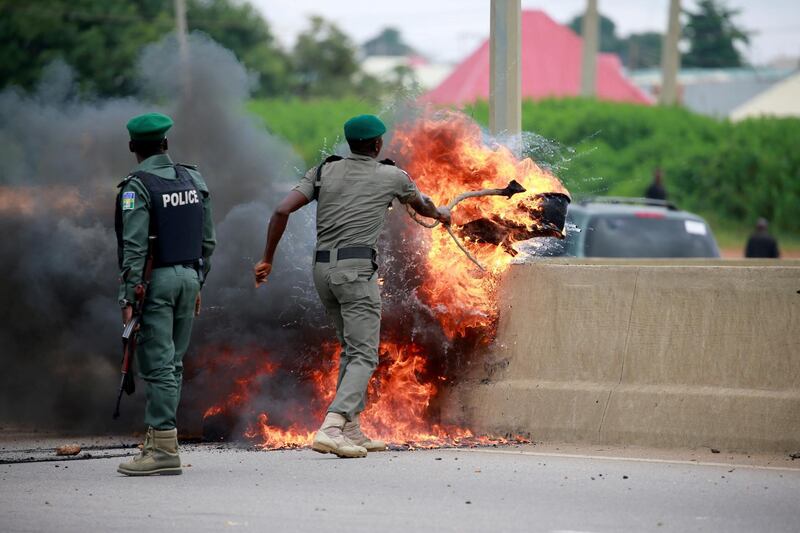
(244,386)
(398,401)
(445,155)
(30,200)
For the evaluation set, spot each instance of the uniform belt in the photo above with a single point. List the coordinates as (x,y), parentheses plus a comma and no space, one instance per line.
(191,264)
(354,252)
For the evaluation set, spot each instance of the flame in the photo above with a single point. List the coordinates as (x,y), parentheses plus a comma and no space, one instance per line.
(271,437)
(446,156)
(30,200)
(275,438)
(397,405)
(246,384)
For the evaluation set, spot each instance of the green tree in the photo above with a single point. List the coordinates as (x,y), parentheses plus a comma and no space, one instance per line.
(712,36)
(102,39)
(641,50)
(638,50)
(609,42)
(388,42)
(324,63)
(241,29)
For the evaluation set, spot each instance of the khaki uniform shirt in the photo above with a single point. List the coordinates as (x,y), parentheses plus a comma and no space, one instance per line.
(355,195)
(136,222)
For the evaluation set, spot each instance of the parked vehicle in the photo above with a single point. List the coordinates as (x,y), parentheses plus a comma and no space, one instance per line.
(633,227)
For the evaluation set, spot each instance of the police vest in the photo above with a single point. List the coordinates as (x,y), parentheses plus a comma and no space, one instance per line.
(176,218)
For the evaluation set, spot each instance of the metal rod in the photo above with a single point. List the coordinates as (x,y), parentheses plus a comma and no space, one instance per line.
(508,191)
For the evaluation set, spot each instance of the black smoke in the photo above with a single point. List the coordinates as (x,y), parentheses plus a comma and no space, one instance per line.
(64,155)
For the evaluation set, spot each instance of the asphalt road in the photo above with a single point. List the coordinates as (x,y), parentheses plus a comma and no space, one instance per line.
(518,488)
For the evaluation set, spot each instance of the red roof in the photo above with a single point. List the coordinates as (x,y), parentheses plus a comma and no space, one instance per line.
(551,67)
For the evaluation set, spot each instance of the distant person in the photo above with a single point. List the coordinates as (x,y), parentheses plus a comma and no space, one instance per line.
(761,243)
(656,190)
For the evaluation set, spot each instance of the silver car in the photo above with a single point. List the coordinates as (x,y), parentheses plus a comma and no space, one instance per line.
(633,227)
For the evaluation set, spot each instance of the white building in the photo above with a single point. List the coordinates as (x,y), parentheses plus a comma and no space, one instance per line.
(428,75)
(780,100)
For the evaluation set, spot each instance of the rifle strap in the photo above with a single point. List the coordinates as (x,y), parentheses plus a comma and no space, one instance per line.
(318,176)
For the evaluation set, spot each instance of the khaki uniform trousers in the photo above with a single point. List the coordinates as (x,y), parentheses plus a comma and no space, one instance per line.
(349,291)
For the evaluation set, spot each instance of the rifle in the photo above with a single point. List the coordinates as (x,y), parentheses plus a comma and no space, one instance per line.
(126,383)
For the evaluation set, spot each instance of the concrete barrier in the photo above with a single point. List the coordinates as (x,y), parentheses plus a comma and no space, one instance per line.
(651,353)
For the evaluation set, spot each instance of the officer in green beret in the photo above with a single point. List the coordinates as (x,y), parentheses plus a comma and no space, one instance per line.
(353,195)
(163,211)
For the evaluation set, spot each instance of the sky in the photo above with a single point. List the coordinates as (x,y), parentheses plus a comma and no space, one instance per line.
(448,30)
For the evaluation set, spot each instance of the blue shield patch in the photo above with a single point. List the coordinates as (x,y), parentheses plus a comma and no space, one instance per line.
(128,200)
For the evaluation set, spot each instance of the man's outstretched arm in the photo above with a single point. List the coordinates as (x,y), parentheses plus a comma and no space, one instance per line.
(423,205)
(277,225)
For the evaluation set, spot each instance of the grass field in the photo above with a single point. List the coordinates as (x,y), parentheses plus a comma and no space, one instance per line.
(313,127)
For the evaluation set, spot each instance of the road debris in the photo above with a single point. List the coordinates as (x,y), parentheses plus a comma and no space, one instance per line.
(68,449)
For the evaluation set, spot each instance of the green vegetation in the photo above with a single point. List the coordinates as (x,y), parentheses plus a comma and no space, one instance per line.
(729,173)
(325,65)
(388,42)
(102,41)
(313,127)
(241,29)
(712,35)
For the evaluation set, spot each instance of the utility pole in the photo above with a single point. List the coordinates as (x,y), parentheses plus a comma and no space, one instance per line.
(181,30)
(670,56)
(589,33)
(505,100)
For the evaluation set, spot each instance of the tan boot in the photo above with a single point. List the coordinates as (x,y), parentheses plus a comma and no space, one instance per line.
(159,455)
(352,430)
(330,439)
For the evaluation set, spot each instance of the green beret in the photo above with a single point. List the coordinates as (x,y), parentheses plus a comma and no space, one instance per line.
(149,127)
(363,127)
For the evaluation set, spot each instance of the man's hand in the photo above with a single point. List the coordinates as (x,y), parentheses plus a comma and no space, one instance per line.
(443,215)
(277,225)
(262,271)
(127,314)
(197,304)
(423,205)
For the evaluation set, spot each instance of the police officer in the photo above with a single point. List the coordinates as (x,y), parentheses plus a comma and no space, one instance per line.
(353,195)
(170,202)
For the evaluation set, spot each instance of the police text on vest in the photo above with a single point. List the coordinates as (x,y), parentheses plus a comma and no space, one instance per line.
(180,198)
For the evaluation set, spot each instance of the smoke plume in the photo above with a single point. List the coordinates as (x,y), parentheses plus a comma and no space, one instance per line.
(61,158)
